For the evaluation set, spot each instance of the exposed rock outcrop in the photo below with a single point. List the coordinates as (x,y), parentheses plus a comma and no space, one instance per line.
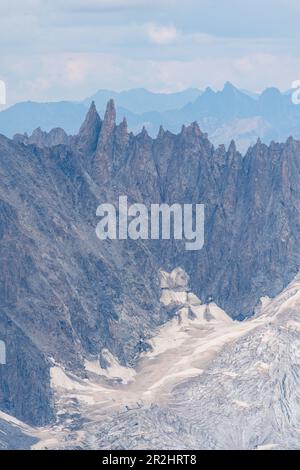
(70,295)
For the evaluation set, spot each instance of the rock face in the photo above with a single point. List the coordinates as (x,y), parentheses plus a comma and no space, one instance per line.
(66,295)
(245,397)
(89,131)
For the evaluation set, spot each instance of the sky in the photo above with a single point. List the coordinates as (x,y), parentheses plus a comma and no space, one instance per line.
(68,49)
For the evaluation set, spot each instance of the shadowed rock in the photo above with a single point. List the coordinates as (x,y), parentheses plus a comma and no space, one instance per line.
(89,131)
(67,295)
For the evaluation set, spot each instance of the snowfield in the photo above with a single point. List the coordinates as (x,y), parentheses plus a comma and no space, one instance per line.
(208,382)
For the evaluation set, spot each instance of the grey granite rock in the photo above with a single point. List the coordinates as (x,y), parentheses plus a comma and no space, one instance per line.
(66,295)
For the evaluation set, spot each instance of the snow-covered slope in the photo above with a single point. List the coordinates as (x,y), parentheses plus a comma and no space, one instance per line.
(207,382)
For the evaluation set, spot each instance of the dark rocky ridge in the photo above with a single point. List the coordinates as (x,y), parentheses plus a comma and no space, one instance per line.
(226,114)
(66,295)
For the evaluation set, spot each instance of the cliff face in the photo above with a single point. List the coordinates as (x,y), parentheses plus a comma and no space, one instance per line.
(252,206)
(65,295)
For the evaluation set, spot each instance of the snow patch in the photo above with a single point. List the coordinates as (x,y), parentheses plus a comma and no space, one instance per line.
(241,403)
(60,380)
(114,370)
(12,420)
(293,325)
(169,297)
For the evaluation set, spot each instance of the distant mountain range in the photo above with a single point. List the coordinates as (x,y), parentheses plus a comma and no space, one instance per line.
(224,115)
(140,100)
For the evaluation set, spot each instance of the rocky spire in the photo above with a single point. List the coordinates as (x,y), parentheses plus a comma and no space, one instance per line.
(183,130)
(109,122)
(124,124)
(192,130)
(122,133)
(220,155)
(161,132)
(232,147)
(195,128)
(144,132)
(234,158)
(89,131)
(105,152)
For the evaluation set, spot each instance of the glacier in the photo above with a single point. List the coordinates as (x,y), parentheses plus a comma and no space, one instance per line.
(205,381)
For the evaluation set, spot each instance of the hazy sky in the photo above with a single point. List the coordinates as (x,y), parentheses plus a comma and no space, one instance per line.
(53,50)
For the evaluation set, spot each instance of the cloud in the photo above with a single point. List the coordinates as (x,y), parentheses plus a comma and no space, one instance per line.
(103,5)
(66,50)
(162,34)
(76,76)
